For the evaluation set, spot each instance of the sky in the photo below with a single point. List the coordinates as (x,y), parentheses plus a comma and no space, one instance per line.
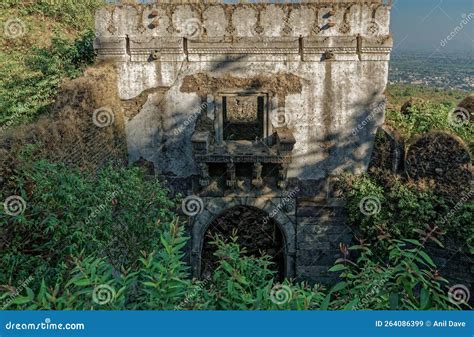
(424,25)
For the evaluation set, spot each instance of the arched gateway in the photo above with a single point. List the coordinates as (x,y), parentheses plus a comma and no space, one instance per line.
(271,222)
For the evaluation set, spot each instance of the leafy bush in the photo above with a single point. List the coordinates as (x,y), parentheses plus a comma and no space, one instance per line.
(77,14)
(404,206)
(26,89)
(247,283)
(407,280)
(111,241)
(113,215)
(399,93)
(429,116)
(161,283)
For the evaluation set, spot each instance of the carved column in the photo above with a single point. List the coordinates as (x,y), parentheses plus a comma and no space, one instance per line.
(204,178)
(257,175)
(282,176)
(231,177)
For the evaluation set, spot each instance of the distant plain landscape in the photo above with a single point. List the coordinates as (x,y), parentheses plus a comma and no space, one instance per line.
(441,70)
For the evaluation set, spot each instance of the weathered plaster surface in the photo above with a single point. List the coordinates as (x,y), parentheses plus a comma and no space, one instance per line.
(249,41)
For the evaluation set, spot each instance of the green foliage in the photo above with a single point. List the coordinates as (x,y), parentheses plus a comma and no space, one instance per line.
(404,207)
(239,282)
(111,241)
(63,58)
(400,93)
(27,88)
(164,276)
(113,215)
(407,280)
(356,191)
(426,117)
(160,282)
(243,282)
(77,14)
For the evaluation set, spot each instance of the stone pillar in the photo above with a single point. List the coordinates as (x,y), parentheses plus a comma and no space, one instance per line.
(204,172)
(231,177)
(257,175)
(282,176)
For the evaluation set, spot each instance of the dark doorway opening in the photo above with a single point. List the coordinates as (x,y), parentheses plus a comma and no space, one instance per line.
(256,231)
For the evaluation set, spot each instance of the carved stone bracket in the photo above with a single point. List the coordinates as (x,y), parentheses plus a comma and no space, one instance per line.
(285,141)
(231,176)
(257,175)
(204,178)
(200,141)
(282,176)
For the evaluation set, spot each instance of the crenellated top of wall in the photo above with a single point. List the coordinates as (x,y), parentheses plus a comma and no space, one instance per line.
(134,32)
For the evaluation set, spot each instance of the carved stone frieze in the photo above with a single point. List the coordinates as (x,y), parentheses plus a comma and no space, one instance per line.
(242,109)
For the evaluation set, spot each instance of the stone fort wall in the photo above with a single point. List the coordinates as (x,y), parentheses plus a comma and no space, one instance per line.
(321,68)
(337,51)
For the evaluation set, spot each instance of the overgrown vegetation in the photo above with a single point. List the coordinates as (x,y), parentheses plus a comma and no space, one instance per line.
(403,209)
(27,89)
(112,241)
(63,11)
(49,44)
(427,116)
(114,214)
(399,94)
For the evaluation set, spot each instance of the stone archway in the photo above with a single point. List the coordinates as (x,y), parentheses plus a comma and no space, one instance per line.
(280,210)
(256,233)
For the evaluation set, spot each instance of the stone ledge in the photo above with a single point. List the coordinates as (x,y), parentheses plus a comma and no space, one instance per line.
(142,49)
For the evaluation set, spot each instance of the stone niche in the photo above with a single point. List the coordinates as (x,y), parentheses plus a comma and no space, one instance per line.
(248,101)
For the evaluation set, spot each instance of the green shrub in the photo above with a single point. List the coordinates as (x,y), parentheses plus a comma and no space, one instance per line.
(114,215)
(403,207)
(77,14)
(428,116)
(162,283)
(407,280)
(27,89)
